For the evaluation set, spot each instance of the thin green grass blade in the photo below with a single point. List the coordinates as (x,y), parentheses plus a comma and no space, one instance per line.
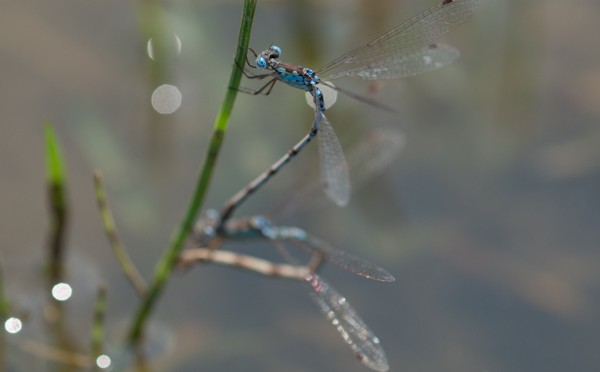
(56,183)
(171,255)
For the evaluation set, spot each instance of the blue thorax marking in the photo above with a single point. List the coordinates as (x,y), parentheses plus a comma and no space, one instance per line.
(295,76)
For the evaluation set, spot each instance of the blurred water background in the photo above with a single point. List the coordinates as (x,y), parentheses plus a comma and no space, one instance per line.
(489,218)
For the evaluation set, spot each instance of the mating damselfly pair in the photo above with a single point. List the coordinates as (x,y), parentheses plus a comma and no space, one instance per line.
(408,49)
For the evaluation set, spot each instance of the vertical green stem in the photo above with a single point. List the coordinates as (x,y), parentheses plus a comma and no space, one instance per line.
(56,184)
(98,322)
(127,265)
(169,259)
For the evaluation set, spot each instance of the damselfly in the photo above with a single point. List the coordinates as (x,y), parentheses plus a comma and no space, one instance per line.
(367,159)
(333,306)
(408,49)
(258,227)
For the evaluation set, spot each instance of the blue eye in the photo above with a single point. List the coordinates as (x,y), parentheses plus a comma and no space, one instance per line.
(261,62)
(276,51)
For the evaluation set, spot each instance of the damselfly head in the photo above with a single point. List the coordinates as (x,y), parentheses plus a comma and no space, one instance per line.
(205,228)
(263,59)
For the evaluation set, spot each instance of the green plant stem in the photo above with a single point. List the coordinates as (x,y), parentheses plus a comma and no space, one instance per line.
(56,177)
(127,265)
(169,259)
(98,322)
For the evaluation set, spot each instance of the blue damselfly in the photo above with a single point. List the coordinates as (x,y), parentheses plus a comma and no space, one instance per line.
(336,309)
(406,50)
(367,159)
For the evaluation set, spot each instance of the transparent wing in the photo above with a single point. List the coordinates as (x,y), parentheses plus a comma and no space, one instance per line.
(355,264)
(365,345)
(358,97)
(342,259)
(408,37)
(366,162)
(419,61)
(334,169)
(375,154)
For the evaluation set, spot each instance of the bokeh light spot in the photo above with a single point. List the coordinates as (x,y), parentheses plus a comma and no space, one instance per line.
(166,99)
(329,96)
(173,46)
(62,291)
(103,361)
(13,325)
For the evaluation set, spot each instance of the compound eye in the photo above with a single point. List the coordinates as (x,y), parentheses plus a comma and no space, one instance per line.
(275,51)
(261,62)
